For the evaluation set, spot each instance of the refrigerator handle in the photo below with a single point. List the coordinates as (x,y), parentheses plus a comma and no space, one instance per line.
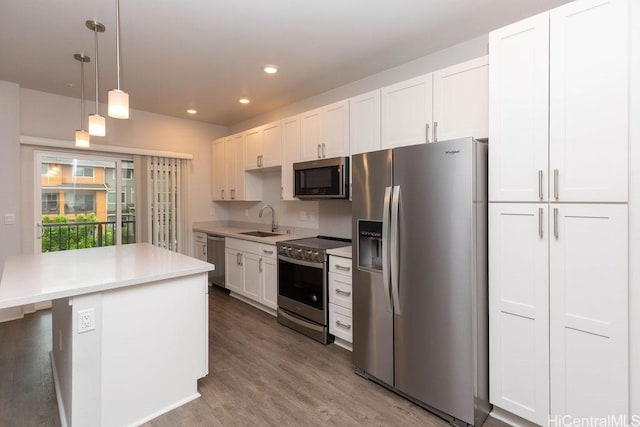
(385,248)
(394,232)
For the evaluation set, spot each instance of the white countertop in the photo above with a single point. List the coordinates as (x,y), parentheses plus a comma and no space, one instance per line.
(344,251)
(234,232)
(28,279)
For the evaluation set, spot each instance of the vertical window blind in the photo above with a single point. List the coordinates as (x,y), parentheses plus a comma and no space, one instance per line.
(164,220)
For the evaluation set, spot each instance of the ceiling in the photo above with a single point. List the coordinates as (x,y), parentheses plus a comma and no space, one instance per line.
(206,54)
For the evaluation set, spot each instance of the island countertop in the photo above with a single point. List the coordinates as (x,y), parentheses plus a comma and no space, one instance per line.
(28,279)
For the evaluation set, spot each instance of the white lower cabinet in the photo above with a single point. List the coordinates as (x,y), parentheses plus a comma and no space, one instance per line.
(559,310)
(340,315)
(589,311)
(252,272)
(519,309)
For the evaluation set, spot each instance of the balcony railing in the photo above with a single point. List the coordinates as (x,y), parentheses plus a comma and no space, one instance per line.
(63,236)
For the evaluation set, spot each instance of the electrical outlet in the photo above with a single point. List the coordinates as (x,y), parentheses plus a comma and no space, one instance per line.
(86,320)
(9,219)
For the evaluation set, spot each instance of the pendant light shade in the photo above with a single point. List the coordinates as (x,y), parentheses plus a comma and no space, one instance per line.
(97,123)
(118,99)
(82,136)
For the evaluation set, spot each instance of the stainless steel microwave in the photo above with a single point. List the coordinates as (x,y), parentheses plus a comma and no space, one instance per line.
(322,179)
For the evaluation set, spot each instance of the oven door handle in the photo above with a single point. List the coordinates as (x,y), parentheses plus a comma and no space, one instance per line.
(301,262)
(300,322)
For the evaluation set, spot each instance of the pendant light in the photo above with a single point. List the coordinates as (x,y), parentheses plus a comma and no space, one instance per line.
(97,125)
(82,136)
(118,99)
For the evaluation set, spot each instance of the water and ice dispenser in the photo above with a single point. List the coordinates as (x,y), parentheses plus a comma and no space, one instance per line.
(370,245)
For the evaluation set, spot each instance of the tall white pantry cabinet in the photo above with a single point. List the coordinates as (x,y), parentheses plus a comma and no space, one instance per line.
(558,217)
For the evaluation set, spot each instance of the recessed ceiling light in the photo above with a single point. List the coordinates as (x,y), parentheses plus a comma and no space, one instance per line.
(244,100)
(270,69)
(192,111)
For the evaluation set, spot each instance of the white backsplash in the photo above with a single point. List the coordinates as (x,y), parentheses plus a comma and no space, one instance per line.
(330,217)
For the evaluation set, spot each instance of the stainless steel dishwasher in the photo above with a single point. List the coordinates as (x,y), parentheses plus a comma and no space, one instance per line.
(215,255)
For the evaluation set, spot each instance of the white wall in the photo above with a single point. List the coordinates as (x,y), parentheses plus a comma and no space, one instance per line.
(9,175)
(53,116)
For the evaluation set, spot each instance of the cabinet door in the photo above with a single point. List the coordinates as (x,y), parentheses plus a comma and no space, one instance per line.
(589,311)
(269,286)
(335,130)
(311,134)
(271,145)
(252,276)
(290,154)
(407,112)
(589,100)
(461,100)
(519,111)
(519,309)
(235,144)
(234,270)
(218,162)
(253,148)
(364,123)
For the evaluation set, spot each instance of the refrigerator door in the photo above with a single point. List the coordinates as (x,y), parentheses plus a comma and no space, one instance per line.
(372,313)
(434,355)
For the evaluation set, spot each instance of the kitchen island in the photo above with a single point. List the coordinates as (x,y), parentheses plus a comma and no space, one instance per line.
(130,328)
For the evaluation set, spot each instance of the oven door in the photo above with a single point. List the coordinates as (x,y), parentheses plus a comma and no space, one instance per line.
(302,288)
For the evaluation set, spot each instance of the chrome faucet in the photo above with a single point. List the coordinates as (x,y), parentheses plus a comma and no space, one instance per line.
(274,224)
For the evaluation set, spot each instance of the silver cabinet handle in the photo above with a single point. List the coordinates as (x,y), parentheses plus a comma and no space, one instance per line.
(342,325)
(261,161)
(222,194)
(426,133)
(555,183)
(342,267)
(281,192)
(340,291)
(233,194)
(555,222)
(540,213)
(324,150)
(238,258)
(540,194)
(264,251)
(260,265)
(435,131)
(319,152)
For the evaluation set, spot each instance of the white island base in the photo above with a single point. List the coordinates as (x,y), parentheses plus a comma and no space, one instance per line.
(129,345)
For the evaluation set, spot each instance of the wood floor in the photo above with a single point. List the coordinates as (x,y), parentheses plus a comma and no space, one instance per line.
(260,374)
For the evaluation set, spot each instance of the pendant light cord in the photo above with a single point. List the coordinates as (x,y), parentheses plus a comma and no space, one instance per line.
(82,92)
(118,41)
(95,32)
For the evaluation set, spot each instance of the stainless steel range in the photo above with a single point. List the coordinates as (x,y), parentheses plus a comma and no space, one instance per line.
(302,285)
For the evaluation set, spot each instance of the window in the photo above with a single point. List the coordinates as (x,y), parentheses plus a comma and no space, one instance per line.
(44,169)
(50,203)
(127,173)
(123,197)
(79,202)
(83,171)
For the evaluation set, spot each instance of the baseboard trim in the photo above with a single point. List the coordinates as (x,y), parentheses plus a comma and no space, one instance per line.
(56,384)
(509,418)
(166,409)
(254,303)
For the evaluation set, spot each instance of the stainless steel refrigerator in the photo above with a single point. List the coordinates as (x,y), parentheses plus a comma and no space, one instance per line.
(420,314)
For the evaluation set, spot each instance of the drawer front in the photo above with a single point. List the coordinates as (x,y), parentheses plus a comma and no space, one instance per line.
(200,237)
(260,249)
(339,265)
(340,323)
(340,290)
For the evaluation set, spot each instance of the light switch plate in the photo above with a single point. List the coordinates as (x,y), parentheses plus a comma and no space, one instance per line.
(9,219)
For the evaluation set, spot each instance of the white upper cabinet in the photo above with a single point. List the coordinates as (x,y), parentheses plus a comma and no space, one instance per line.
(364,122)
(589,315)
(519,111)
(290,154)
(219,172)
(325,131)
(589,102)
(407,114)
(461,100)
(263,146)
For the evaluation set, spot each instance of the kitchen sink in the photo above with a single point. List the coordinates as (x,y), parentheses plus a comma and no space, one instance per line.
(260,233)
